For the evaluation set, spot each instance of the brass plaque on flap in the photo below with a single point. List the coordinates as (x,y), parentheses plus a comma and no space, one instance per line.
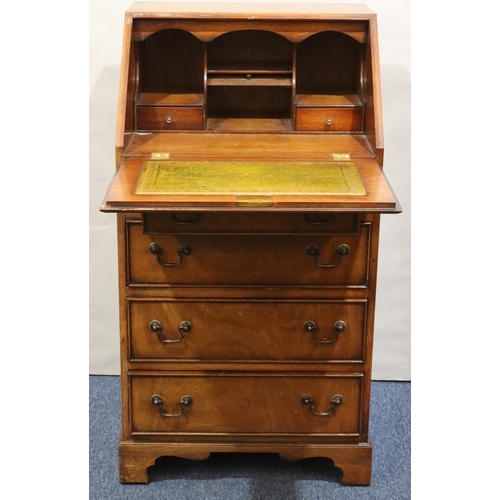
(249,178)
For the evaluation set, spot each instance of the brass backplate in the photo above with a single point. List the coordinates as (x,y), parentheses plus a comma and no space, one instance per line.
(243,178)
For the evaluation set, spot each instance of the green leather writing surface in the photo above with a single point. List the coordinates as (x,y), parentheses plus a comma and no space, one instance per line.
(249,178)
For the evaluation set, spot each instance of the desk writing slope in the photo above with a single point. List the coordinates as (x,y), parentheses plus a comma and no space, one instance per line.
(248,190)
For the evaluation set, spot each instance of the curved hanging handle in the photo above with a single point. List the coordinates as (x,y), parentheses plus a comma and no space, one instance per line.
(157,250)
(338,328)
(336,401)
(342,251)
(186,220)
(157,400)
(156,327)
(318,218)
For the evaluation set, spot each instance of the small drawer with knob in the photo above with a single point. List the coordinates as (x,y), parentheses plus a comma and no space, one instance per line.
(246,403)
(252,330)
(169,118)
(329,119)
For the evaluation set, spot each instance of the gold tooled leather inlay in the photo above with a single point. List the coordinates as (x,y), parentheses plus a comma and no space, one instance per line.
(249,178)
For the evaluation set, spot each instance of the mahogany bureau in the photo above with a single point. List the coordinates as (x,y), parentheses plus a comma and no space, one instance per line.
(248,191)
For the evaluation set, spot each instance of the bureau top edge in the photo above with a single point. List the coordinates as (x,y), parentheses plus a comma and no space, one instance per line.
(243,10)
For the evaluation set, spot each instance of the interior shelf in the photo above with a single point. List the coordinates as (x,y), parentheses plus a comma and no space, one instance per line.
(265,73)
(249,80)
(249,125)
(312,98)
(177,97)
(253,67)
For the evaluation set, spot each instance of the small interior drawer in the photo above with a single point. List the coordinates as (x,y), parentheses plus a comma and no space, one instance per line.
(333,119)
(246,222)
(169,118)
(242,403)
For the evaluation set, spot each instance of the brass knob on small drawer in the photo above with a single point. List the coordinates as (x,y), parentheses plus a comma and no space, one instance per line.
(169,119)
(329,121)
(335,402)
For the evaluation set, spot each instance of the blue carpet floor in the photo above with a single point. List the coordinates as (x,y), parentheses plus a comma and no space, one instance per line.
(253,476)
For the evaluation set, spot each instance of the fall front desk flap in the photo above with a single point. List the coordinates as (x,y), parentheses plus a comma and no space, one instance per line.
(301,184)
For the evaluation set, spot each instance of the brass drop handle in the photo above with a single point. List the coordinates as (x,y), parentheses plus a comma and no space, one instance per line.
(318,218)
(338,328)
(156,327)
(157,250)
(314,251)
(169,119)
(329,121)
(157,400)
(186,220)
(335,402)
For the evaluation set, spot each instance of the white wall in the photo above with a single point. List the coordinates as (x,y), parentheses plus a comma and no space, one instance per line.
(392,326)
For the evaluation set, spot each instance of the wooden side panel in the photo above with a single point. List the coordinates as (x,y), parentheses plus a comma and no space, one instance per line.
(373,92)
(126,90)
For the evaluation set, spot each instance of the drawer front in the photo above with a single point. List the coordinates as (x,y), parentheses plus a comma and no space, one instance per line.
(249,330)
(169,118)
(236,403)
(196,222)
(260,260)
(329,119)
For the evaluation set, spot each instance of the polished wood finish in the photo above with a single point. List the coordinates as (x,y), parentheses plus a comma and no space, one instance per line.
(240,326)
(245,405)
(275,260)
(246,322)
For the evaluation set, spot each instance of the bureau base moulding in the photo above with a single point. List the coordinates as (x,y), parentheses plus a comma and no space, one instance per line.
(355,461)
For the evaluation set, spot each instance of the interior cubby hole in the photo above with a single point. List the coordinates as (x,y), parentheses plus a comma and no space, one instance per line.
(329,63)
(171,60)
